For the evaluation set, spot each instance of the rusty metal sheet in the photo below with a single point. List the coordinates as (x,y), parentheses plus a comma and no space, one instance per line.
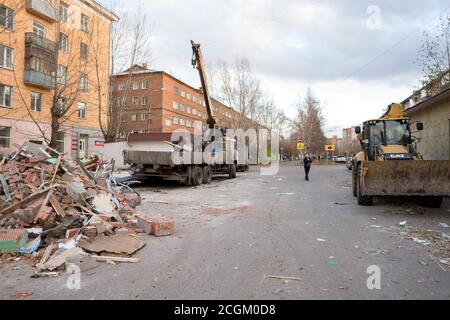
(406,178)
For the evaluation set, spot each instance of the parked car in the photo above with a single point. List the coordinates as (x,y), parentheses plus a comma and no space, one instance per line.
(340,159)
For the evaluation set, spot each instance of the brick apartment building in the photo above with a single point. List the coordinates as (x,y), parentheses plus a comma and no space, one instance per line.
(149,101)
(46,45)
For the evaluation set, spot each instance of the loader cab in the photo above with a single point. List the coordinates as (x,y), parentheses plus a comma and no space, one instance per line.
(386,138)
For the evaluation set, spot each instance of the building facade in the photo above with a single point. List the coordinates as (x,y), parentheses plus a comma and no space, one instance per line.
(431,106)
(53,53)
(149,101)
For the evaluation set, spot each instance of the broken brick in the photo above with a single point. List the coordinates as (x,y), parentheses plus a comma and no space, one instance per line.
(132,199)
(70,233)
(44,215)
(161,226)
(145,223)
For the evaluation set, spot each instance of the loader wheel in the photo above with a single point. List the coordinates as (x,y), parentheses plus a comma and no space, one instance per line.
(362,200)
(432,202)
(197,176)
(232,171)
(207,175)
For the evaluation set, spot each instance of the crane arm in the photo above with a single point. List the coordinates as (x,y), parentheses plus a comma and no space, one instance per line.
(197,62)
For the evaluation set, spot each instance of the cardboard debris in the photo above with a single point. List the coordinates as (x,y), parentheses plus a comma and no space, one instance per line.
(118,244)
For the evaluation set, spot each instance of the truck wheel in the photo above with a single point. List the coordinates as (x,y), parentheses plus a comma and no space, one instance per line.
(432,202)
(207,175)
(232,171)
(197,176)
(362,200)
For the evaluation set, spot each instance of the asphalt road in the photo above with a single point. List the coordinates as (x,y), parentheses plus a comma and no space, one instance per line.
(233,234)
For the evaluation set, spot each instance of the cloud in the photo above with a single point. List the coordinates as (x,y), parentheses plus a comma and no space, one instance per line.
(294,44)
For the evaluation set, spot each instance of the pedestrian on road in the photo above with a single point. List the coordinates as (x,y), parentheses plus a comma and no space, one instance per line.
(307,165)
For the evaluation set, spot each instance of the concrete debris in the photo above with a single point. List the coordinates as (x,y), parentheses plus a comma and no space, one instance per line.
(51,208)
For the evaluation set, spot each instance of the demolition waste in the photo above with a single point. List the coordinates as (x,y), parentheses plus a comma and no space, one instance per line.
(56,212)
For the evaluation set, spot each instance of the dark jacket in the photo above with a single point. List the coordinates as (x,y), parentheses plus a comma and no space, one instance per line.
(307,162)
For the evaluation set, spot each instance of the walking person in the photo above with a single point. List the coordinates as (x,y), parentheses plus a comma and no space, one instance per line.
(307,165)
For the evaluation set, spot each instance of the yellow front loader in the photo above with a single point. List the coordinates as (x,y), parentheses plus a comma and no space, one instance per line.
(390,165)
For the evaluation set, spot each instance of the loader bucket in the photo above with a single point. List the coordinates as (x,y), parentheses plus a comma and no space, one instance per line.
(406,178)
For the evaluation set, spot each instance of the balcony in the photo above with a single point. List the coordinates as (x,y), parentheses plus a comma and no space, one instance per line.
(38,41)
(42,8)
(39,79)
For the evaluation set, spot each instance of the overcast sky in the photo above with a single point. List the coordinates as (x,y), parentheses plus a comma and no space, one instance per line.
(355,63)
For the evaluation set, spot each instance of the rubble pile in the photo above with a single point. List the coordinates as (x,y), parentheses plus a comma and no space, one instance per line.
(57,210)
(438,242)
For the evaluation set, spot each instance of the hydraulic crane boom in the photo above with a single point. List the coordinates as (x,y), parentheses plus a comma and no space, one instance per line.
(197,62)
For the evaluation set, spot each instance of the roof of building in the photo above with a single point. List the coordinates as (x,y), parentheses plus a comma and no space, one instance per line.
(101,9)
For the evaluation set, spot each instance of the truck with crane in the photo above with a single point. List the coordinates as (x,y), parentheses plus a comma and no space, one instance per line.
(211,153)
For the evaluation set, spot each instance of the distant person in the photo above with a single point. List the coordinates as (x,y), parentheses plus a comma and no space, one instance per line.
(307,165)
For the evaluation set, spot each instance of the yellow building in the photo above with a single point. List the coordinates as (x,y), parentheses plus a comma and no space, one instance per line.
(54,54)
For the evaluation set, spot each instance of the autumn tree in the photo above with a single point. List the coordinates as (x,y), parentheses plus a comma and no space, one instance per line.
(434,56)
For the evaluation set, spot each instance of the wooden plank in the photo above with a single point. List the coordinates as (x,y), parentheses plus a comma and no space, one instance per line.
(284,278)
(58,162)
(55,204)
(115,259)
(25,201)
(45,256)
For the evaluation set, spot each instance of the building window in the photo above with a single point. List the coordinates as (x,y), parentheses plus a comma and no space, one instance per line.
(181,122)
(63,42)
(188,96)
(6,57)
(167,122)
(181,107)
(175,105)
(83,51)
(62,74)
(36,101)
(63,12)
(145,84)
(144,101)
(188,123)
(84,23)
(121,102)
(199,114)
(188,109)
(122,86)
(175,120)
(133,117)
(81,110)
(183,94)
(38,29)
(144,116)
(124,117)
(135,85)
(83,82)
(194,112)
(5,96)
(6,18)
(5,137)
(60,142)
(135,100)
(175,91)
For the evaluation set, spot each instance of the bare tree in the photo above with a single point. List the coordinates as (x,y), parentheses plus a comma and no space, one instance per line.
(241,90)
(130,46)
(435,53)
(308,126)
